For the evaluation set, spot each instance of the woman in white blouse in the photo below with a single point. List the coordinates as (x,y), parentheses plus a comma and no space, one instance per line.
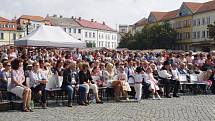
(38,81)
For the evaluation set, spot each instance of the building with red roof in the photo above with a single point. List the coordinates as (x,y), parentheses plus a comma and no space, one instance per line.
(8,31)
(190,21)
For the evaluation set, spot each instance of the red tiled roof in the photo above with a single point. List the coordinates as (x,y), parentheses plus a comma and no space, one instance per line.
(208,6)
(93,25)
(3,19)
(193,6)
(170,15)
(33,18)
(141,22)
(158,15)
(8,29)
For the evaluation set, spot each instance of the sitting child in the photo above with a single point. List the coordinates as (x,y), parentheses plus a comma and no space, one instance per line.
(138,79)
(149,78)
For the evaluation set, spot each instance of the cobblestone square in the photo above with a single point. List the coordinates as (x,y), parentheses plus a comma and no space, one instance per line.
(185,108)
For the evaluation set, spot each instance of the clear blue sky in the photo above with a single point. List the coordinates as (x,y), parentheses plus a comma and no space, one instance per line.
(113,12)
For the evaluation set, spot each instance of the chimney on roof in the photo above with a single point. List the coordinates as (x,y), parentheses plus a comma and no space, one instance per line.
(103,23)
(72,17)
(54,15)
(92,20)
(61,16)
(79,18)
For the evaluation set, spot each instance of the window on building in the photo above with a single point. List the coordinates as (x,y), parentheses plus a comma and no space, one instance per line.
(14,36)
(207,34)
(70,30)
(203,34)
(208,20)
(198,35)
(85,34)
(20,36)
(194,35)
(79,31)
(94,35)
(74,30)
(198,22)
(108,44)
(90,35)
(65,29)
(203,21)
(2,35)
(102,43)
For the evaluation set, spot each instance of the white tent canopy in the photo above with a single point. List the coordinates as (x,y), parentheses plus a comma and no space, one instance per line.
(50,36)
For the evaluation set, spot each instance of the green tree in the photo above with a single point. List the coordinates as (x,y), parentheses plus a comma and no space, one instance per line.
(125,40)
(211,29)
(151,37)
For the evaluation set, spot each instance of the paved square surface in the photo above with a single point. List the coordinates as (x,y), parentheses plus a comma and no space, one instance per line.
(185,108)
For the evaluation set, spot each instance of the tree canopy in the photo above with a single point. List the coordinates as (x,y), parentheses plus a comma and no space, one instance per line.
(151,37)
(211,29)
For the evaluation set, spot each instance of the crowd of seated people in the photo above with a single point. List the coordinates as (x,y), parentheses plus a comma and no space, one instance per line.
(84,70)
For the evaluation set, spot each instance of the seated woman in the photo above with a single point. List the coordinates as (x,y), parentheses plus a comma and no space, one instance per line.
(16,86)
(122,76)
(5,75)
(149,78)
(204,77)
(86,81)
(108,75)
(96,76)
(38,81)
(70,80)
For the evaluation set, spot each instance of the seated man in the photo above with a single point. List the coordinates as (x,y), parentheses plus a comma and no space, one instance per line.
(166,79)
(38,83)
(70,80)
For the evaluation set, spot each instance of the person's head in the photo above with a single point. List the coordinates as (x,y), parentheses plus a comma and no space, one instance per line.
(174,66)
(11,49)
(48,65)
(139,69)
(209,72)
(166,65)
(72,65)
(85,66)
(149,70)
(182,65)
(42,63)
(6,65)
(95,70)
(36,66)
(153,66)
(102,66)
(16,64)
(130,63)
(121,69)
(59,64)
(109,67)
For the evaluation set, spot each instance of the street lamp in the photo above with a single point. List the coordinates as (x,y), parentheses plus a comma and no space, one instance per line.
(27,26)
